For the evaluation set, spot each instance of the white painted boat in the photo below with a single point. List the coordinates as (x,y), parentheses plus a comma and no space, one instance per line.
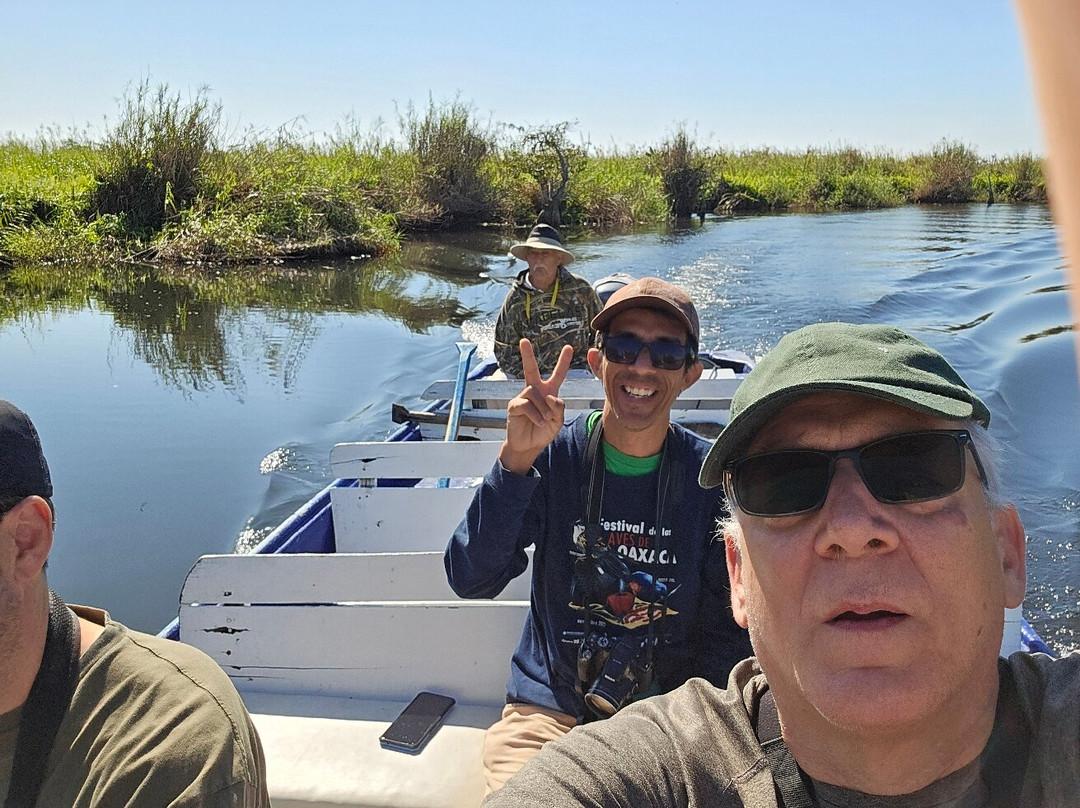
(343,613)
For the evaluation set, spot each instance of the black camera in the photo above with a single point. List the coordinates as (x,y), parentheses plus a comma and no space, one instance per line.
(597,574)
(592,655)
(626,671)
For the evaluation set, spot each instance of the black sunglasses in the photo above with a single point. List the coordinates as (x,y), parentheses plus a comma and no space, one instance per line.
(913,467)
(664,354)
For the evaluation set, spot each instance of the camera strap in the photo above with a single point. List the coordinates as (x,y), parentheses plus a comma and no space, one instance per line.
(45,707)
(594,494)
(791,790)
(593,497)
(662,479)
(595,470)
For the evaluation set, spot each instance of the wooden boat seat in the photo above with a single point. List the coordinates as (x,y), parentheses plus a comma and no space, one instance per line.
(376,518)
(360,625)
(712,391)
(703,407)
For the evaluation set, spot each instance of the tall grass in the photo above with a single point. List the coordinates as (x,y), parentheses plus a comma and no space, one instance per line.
(683,173)
(947,174)
(450,148)
(616,191)
(151,157)
(162,184)
(1018,178)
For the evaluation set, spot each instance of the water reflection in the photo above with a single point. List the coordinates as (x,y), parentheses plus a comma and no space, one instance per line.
(982,318)
(199,406)
(463,258)
(195,326)
(1048,332)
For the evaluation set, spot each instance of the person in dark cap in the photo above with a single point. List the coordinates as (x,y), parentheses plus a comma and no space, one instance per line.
(546,305)
(871,555)
(91,713)
(629,591)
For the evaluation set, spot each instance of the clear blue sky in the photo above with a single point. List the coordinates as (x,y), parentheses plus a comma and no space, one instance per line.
(895,74)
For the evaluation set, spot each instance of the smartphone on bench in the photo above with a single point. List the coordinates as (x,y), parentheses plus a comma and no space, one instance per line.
(417,722)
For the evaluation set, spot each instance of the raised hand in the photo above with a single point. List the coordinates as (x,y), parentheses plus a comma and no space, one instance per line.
(535,416)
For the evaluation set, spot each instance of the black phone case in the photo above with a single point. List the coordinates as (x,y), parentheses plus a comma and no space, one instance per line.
(417,722)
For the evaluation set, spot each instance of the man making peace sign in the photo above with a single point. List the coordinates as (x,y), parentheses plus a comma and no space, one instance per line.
(629,589)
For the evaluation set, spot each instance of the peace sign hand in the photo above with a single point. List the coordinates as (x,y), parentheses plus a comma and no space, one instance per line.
(535,416)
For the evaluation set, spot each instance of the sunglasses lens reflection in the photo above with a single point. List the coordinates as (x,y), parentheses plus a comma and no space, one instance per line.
(624,350)
(901,469)
(782,483)
(913,468)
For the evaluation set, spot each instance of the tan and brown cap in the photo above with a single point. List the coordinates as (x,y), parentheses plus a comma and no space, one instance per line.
(651,293)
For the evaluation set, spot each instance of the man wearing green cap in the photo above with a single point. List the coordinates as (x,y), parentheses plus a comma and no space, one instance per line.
(871,557)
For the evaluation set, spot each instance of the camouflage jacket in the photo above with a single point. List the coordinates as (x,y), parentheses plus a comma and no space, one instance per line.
(560,316)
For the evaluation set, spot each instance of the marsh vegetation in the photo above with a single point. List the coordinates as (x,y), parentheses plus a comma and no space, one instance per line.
(164,183)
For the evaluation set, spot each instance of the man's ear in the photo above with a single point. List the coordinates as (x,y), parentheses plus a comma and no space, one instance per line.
(594,361)
(732,538)
(693,373)
(1013,544)
(30,523)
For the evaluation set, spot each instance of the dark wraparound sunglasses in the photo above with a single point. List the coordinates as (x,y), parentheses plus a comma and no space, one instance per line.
(899,469)
(664,354)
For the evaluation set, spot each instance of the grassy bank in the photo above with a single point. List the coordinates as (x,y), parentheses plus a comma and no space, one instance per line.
(162,184)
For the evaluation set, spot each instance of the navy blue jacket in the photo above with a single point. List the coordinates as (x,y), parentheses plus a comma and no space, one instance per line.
(685,569)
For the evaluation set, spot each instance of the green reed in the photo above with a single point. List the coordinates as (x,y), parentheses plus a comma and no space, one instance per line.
(162,184)
(450,148)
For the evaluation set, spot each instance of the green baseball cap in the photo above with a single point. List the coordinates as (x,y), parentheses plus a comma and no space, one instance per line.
(872,360)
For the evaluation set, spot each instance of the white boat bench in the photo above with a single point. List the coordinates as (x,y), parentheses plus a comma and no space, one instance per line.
(324,752)
(703,407)
(713,391)
(326,649)
(364,625)
(379,519)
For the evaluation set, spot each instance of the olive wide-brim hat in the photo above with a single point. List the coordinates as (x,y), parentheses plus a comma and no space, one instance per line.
(543,237)
(879,361)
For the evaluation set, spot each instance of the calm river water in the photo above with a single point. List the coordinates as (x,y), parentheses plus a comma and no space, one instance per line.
(184,414)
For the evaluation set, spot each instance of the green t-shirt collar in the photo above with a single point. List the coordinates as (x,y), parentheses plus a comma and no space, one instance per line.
(619,463)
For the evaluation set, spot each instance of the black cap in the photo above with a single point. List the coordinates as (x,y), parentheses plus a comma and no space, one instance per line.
(23,470)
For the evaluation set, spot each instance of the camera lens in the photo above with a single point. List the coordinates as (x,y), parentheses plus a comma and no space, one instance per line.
(618,679)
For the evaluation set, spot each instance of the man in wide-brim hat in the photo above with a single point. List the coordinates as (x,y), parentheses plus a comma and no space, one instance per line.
(547,305)
(543,237)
